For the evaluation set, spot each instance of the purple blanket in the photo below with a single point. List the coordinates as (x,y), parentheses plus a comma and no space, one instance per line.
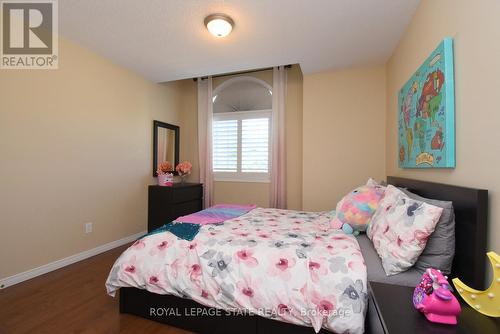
(216,214)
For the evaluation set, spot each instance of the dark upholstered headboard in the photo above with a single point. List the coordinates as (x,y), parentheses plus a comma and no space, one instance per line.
(471,215)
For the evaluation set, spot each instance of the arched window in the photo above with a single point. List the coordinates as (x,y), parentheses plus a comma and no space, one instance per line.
(242,109)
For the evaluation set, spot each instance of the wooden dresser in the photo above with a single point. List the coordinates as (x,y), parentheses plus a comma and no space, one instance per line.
(167,203)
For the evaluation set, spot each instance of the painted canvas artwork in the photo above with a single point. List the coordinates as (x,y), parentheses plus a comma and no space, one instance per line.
(426,108)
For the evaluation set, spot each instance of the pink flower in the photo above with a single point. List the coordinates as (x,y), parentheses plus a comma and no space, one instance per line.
(245,256)
(247,292)
(184,168)
(324,304)
(339,236)
(317,268)
(129,266)
(399,241)
(283,309)
(164,168)
(139,244)
(280,265)
(160,248)
(155,281)
(130,269)
(248,288)
(332,250)
(195,272)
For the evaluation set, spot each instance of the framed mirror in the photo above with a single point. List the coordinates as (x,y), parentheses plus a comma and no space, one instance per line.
(165,145)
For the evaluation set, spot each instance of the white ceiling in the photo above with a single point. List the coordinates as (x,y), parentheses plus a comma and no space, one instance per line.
(166,40)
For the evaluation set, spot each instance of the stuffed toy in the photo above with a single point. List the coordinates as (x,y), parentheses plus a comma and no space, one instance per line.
(355,210)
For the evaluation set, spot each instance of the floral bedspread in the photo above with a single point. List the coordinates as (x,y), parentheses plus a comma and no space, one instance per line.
(281,264)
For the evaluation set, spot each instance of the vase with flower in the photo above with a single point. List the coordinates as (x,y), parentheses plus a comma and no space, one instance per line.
(165,176)
(184,169)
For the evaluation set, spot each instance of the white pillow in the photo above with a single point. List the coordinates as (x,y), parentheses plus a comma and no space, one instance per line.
(399,229)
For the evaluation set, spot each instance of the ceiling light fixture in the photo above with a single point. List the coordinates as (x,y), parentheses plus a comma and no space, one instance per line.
(219,25)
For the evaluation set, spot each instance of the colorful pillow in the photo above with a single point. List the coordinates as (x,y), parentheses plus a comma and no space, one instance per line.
(400,228)
(357,208)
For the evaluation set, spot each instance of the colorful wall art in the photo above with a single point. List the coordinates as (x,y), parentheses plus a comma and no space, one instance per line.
(426,107)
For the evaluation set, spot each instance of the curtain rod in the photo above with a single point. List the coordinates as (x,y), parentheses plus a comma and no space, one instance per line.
(240,72)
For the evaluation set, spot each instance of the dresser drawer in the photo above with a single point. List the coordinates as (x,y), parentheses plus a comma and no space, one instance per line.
(186,208)
(168,203)
(186,194)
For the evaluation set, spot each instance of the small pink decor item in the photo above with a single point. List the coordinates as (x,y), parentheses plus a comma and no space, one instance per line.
(433,298)
(184,169)
(166,179)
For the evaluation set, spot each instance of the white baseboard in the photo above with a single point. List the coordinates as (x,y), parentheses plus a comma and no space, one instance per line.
(29,274)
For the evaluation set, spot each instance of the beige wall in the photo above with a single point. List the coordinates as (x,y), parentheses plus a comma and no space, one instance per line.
(76,147)
(188,121)
(250,192)
(343,133)
(475,27)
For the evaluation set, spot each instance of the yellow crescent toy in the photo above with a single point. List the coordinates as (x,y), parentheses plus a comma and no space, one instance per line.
(486,302)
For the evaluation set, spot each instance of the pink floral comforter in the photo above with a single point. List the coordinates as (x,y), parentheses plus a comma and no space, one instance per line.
(281,264)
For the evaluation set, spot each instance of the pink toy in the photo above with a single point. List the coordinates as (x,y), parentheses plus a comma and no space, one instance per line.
(433,298)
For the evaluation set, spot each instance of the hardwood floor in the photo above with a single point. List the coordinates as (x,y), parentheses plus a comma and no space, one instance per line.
(71,300)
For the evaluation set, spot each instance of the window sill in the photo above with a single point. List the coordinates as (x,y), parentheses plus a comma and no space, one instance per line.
(240,180)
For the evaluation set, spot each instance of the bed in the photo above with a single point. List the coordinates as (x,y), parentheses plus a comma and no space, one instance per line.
(199,315)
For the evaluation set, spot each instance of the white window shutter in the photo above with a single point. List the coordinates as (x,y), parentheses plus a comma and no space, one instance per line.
(225,145)
(255,145)
(241,146)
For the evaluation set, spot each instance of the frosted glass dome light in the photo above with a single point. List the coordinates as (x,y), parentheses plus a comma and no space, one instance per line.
(219,25)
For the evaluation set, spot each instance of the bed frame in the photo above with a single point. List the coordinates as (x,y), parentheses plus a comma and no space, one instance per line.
(471,206)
